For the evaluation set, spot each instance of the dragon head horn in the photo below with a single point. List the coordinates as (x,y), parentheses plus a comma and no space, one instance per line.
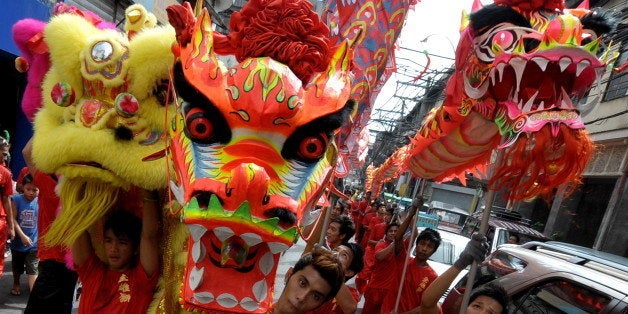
(332,87)
(195,44)
(477,5)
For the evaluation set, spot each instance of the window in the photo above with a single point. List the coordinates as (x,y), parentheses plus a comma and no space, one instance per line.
(559,297)
(617,86)
(497,265)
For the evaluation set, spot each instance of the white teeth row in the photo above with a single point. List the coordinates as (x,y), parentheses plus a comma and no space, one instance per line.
(265,264)
(518,65)
(227,300)
(564,102)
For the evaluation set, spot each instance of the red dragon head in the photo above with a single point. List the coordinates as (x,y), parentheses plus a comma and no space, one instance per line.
(251,148)
(519,65)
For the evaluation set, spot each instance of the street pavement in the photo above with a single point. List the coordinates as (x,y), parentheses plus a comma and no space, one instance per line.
(10,304)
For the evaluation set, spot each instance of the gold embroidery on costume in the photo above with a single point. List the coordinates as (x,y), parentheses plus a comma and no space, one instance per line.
(124,289)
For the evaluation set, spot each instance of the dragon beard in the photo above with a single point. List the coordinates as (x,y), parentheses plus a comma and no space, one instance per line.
(84,203)
(539,162)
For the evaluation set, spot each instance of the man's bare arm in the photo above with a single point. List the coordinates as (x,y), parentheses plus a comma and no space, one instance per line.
(149,243)
(8,208)
(416,204)
(345,300)
(82,249)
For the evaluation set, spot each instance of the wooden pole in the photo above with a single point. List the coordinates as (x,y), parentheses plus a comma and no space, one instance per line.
(410,246)
(322,238)
(486,214)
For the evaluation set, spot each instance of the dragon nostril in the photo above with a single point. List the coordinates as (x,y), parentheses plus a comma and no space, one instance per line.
(203,198)
(123,133)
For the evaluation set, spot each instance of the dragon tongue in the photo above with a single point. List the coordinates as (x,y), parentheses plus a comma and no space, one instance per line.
(234,252)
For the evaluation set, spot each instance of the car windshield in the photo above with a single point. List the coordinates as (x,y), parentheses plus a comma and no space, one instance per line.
(446,253)
(450,248)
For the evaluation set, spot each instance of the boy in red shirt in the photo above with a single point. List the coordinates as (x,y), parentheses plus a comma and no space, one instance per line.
(127,282)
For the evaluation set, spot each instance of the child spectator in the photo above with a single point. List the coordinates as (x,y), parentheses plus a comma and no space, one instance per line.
(126,283)
(24,248)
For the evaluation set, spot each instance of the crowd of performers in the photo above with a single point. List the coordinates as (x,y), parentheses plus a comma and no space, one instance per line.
(365,239)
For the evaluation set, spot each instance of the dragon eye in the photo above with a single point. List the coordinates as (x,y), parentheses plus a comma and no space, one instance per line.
(198,126)
(503,39)
(313,147)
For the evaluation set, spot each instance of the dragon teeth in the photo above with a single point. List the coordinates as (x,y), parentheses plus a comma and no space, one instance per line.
(266,263)
(500,70)
(519,66)
(528,106)
(223,233)
(196,231)
(564,63)
(177,191)
(196,277)
(251,239)
(260,290)
(227,300)
(541,62)
(581,66)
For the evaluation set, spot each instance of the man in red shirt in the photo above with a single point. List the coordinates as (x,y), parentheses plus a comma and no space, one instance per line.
(418,275)
(127,282)
(339,231)
(371,218)
(358,210)
(382,273)
(6,223)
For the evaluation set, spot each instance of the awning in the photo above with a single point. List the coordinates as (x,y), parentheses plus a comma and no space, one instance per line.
(519,228)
